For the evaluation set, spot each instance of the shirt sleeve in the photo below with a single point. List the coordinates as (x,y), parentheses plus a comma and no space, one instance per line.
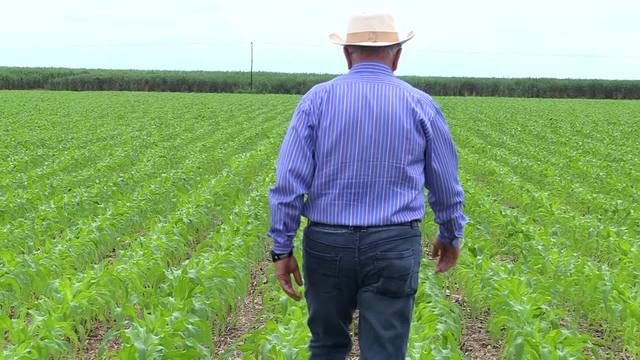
(294,173)
(446,196)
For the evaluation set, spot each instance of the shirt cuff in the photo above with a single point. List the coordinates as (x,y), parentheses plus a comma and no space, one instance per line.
(451,232)
(282,246)
(447,240)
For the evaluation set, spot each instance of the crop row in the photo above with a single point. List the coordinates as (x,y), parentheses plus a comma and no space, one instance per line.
(121,289)
(555,270)
(95,238)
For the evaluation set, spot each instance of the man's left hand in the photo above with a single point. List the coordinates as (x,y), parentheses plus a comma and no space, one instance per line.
(284,269)
(446,254)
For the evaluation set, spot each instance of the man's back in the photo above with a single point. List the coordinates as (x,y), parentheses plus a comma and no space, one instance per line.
(362,147)
(369,149)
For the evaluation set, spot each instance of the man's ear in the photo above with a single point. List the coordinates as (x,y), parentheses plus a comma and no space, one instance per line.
(347,55)
(396,59)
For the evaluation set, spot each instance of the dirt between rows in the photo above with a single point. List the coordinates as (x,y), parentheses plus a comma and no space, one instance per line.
(475,343)
(94,340)
(245,317)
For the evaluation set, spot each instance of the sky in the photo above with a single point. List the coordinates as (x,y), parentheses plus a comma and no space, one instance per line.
(490,38)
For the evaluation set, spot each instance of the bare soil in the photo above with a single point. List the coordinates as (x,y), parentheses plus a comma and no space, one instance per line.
(355,349)
(245,318)
(94,340)
(604,347)
(476,342)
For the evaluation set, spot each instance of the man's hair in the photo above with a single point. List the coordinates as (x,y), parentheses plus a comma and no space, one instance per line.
(373,51)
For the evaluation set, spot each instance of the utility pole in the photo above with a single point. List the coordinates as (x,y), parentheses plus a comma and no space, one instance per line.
(251,66)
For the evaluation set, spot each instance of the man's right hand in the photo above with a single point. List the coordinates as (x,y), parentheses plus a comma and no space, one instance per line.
(284,269)
(446,254)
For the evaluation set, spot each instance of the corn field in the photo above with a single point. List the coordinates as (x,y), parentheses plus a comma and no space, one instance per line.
(133,226)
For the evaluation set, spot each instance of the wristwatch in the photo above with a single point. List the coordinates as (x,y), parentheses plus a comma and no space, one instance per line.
(275,256)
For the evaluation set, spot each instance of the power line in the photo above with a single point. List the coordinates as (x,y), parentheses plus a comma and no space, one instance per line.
(294,45)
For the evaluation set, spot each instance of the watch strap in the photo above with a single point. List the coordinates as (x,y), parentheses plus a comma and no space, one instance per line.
(276,256)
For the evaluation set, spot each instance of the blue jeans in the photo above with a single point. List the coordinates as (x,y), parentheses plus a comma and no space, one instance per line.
(376,271)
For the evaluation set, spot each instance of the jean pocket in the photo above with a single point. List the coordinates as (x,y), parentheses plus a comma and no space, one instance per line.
(397,273)
(320,271)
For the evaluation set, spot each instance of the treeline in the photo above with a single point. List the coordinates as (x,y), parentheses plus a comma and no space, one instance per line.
(283,83)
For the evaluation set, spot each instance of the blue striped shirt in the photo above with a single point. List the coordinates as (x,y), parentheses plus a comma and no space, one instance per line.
(363,147)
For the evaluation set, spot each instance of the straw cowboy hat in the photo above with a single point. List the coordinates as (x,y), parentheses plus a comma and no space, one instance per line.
(371,30)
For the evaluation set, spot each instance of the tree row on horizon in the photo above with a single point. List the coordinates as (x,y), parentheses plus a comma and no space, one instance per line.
(17,78)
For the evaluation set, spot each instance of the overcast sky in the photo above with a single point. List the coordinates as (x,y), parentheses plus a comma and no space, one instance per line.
(494,38)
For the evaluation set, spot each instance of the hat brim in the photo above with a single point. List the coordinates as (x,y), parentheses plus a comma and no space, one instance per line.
(339,40)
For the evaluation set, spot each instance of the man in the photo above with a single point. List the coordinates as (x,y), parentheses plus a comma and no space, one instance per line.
(362,147)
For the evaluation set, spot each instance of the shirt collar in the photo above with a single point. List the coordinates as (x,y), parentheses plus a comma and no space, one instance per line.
(371,67)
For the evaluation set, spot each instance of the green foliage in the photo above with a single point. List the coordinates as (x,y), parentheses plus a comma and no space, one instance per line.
(143,214)
(437,325)
(165,282)
(283,83)
(552,245)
